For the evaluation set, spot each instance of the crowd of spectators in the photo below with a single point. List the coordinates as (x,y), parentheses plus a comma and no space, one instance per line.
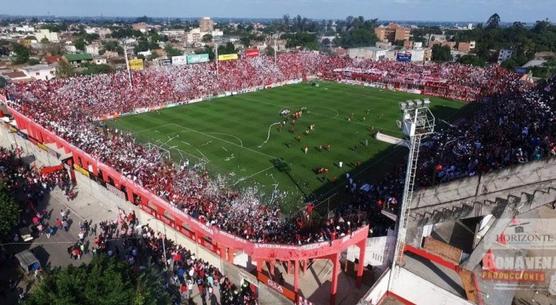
(29,186)
(510,128)
(126,239)
(514,127)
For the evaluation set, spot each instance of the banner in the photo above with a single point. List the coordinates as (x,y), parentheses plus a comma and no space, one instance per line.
(47,170)
(277,287)
(226,57)
(197,58)
(165,62)
(251,53)
(179,60)
(80,170)
(136,64)
(403,57)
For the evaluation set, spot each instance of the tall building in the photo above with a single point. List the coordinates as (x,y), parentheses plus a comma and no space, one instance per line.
(206,24)
(392,32)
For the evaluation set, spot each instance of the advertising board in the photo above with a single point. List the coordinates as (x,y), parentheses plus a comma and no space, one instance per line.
(226,57)
(197,58)
(251,53)
(136,64)
(179,60)
(403,57)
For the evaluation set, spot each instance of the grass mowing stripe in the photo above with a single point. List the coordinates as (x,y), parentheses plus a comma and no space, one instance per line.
(229,130)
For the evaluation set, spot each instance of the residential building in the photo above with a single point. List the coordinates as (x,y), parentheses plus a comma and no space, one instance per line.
(45,33)
(372,53)
(92,49)
(217,33)
(16,77)
(40,72)
(206,24)
(383,45)
(100,61)
(70,48)
(141,26)
(392,32)
(504,55)
(25,29)
(464,47)
(77,59)
(195,36)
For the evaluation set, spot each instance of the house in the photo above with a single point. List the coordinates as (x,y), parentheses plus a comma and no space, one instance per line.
(372,53)
(40,72)
(77,59)
(70,48)
(110,54)
(504,55)
(392,32)
(16,77)
(141,26)
(100,61)
(46,34)
(50,59)
(92,49)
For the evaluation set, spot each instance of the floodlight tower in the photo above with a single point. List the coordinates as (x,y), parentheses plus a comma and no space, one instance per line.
(417,122)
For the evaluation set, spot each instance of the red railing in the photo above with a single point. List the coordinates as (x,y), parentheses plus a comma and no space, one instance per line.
(212,238)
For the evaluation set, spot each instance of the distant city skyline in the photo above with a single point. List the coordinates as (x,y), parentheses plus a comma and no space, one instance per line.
(414,10)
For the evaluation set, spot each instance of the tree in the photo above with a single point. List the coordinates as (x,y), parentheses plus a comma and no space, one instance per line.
(229,48)
(142,45)
(171,51)
(21,54)
(112,45)
(65,70)
(472,60)
(207,38)
(206,50)
(302,40)
(3,82)
(105,281)
(97,69)
(33,61)
(245,41)
(9,210)
(80,44)
(493,22)
(269,51)
(441,53)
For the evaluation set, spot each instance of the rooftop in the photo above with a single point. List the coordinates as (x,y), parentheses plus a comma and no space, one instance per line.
(78,56)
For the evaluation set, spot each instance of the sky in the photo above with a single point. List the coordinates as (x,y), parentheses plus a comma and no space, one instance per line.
(417,10)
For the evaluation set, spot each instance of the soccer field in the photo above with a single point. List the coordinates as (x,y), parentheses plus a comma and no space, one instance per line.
(244,139)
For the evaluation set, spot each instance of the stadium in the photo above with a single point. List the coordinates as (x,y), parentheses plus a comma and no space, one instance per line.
(284,160)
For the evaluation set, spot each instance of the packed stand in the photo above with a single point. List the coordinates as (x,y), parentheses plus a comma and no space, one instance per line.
(71,108)
(126,239)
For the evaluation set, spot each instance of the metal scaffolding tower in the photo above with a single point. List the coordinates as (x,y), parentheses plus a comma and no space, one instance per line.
(417,122)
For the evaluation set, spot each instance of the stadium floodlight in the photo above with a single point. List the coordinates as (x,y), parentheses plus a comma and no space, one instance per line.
(417,122)
(419,103)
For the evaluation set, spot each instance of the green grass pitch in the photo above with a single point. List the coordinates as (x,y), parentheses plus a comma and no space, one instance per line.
(229,136)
